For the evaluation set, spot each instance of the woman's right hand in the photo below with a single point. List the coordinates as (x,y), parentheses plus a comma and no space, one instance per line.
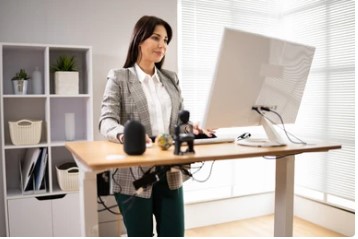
(120,137)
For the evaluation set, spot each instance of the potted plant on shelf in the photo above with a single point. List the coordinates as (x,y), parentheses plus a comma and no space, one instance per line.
(66,76)
(19,82)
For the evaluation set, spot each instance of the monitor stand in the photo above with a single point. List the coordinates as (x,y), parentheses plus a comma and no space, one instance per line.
(273,137)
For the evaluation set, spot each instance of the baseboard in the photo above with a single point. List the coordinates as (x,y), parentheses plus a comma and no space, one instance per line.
(232,209)
(228,210)
(332,218)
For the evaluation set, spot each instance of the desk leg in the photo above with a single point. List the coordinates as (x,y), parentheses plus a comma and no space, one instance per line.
(285,173)
(88,203)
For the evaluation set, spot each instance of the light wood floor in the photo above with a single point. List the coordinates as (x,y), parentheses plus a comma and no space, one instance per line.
(260,226)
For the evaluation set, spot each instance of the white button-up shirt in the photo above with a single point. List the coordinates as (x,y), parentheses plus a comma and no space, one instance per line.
(159,103)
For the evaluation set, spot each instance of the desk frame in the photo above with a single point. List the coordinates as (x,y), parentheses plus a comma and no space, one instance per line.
(91,159)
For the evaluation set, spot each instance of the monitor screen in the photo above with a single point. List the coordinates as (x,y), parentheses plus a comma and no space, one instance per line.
(256,70)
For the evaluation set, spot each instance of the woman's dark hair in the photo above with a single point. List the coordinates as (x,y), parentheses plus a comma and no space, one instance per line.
(143,29)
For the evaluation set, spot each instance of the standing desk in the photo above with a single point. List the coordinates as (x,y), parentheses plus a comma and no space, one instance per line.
(93,157)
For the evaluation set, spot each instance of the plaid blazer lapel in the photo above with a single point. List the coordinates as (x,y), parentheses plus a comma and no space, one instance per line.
(175,97)
(136,90)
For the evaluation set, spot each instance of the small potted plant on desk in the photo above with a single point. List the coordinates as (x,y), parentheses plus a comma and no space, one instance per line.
(66,76)
(19,82)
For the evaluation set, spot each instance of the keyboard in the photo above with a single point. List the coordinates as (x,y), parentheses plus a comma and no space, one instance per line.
(214,140)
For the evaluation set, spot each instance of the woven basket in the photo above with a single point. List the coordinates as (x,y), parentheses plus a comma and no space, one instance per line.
(25,132)
(67,176)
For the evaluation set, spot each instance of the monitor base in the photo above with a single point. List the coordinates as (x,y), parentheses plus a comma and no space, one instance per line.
(259,142)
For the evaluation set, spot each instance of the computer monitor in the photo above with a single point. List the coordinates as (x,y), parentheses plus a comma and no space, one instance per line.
(253,70)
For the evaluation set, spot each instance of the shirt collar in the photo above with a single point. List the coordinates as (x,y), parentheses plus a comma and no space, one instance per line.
(142,75)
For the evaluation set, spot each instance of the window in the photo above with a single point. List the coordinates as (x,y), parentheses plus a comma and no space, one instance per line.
(327,111)
(327,107)
(200,28)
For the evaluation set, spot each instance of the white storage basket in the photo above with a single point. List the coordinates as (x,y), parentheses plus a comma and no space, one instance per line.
(25,132)
(67,176)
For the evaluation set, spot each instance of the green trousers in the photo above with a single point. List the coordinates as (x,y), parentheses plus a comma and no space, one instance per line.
(166,205)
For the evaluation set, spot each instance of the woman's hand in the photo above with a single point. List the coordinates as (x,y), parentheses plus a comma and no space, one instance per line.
(148,140)
(120,137)
(198,130)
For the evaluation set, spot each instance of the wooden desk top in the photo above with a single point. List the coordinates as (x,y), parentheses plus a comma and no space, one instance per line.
(104,155)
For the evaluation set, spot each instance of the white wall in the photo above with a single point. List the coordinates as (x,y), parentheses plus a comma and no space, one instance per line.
(104,25)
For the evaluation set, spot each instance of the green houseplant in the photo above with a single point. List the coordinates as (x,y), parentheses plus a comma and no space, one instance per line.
(65,63)
(19,82)
(66,75)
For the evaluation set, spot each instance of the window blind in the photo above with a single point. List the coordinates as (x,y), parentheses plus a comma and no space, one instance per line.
(201,25)
(327,109)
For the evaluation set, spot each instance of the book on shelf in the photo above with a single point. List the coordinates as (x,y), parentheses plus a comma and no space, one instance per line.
(33,169)
(28,166)
(40,169)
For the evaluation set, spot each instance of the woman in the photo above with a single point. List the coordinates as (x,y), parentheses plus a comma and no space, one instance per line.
(143,91)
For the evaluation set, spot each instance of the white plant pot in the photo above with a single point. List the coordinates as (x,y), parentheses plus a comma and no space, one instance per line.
(66,83)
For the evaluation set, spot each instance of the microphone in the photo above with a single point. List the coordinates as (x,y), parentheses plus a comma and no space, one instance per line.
(184,116)
(134,138)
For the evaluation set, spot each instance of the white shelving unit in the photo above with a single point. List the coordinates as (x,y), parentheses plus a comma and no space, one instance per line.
(42,213)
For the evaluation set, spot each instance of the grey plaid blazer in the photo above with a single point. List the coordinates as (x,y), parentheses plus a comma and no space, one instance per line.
(125,100)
